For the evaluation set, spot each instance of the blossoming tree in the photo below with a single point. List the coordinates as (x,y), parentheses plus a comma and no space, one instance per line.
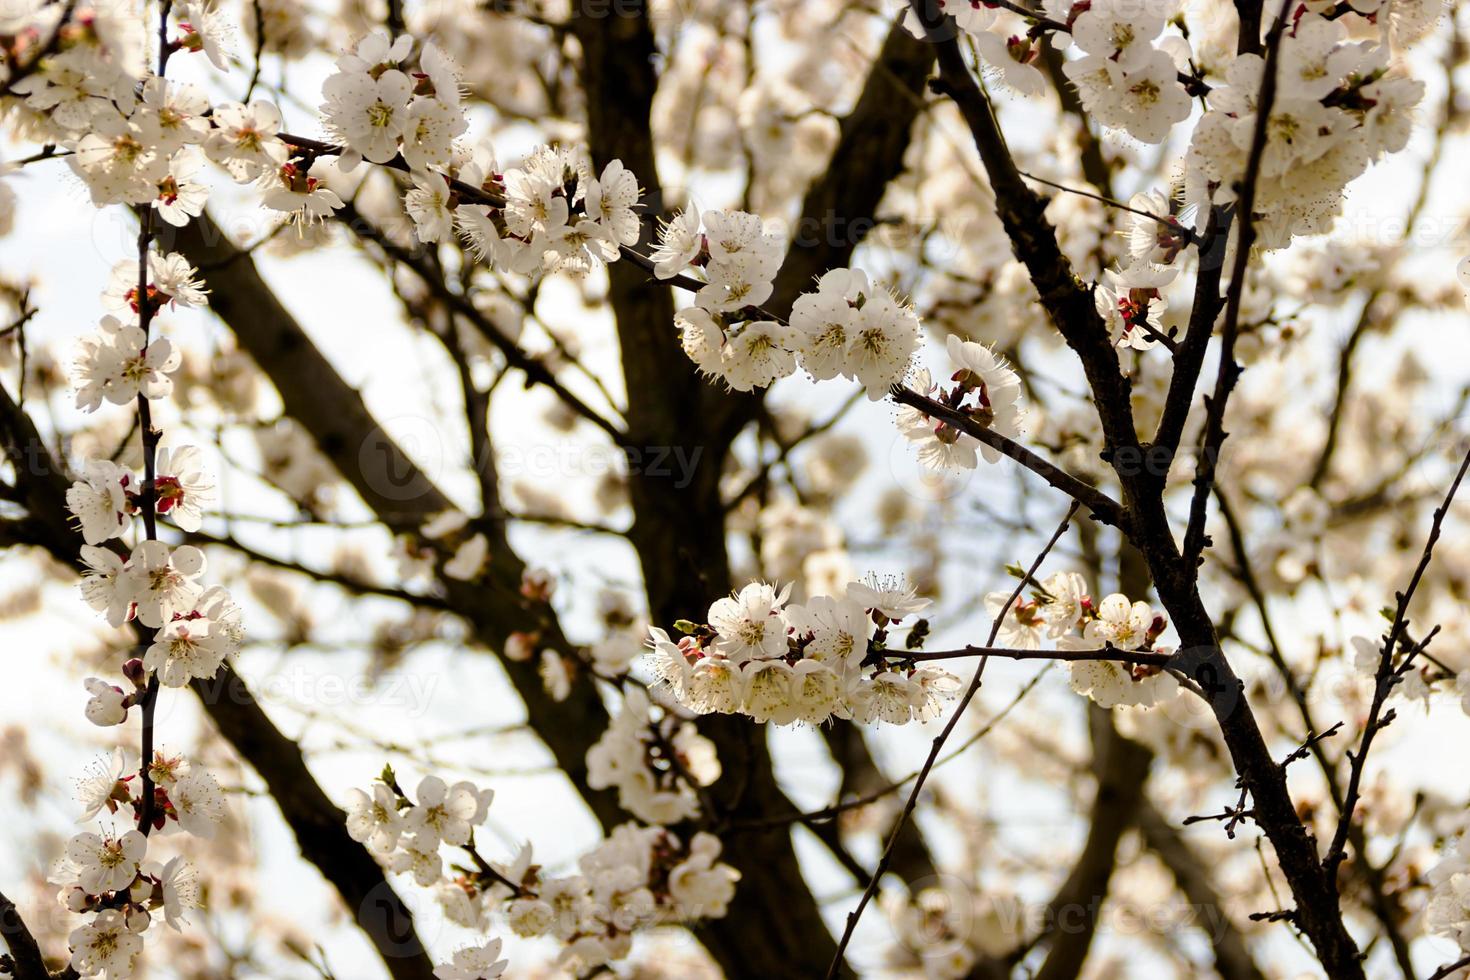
(1106,282)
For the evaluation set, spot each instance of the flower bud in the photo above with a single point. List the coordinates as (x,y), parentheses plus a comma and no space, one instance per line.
(137,919)
(75,899)
(134,671)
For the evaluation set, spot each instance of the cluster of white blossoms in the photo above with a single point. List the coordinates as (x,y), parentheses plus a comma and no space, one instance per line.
(136,139)
(1128,75)
(107,498)
(379,107)
(635,878)
(480,962)
(760,656)
(1010,60)
(1448,910)
(107,876)
(558,215)
(985,390)
(1131,298)
(655,760)
(1339,106)
(1061,610)
(846,328)
(408,833)
(192,628)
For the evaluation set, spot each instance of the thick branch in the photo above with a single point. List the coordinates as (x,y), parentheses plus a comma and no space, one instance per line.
(25,953)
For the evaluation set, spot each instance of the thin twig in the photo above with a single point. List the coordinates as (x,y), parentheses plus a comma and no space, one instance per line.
(935,748)
(1107,653)
(1386,678)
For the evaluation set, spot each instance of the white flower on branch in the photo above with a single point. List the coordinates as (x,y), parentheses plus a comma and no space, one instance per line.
(756,354)
(888,596)
(101,786)
(116,366)
(429,131)
(884,338)
(105,946)
(369,114)
(161,582)
(698,886)
(175,888)
(749,623)
(179,197)
(623,759)
(1012,61)
(185,650)
(301,194)
(474,963)
(171,279)
(181,112)
(679,243)
(198,803)
(181,486)
(106,864)
(1121,31)
(209,28)
(374,819)
(427,204)
(99,501)
(826,321)
(443,813)
(1447,912)
(119,160)
(611,200)
(103,585)
(244,140)
(374,51)
(419,857)
(106,707)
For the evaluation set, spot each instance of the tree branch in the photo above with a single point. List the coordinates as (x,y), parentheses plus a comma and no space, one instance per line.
(25,953)
(1103,507)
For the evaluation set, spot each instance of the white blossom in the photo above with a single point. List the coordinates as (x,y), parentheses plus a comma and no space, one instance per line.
(105,708)
(474,963)
(99,501)
(161,582)
(105,946)
(106,864)
(442,813)
(374,819)
(198,803)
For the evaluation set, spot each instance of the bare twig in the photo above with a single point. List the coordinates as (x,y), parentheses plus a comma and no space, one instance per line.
(1386,678)
(1107,653)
